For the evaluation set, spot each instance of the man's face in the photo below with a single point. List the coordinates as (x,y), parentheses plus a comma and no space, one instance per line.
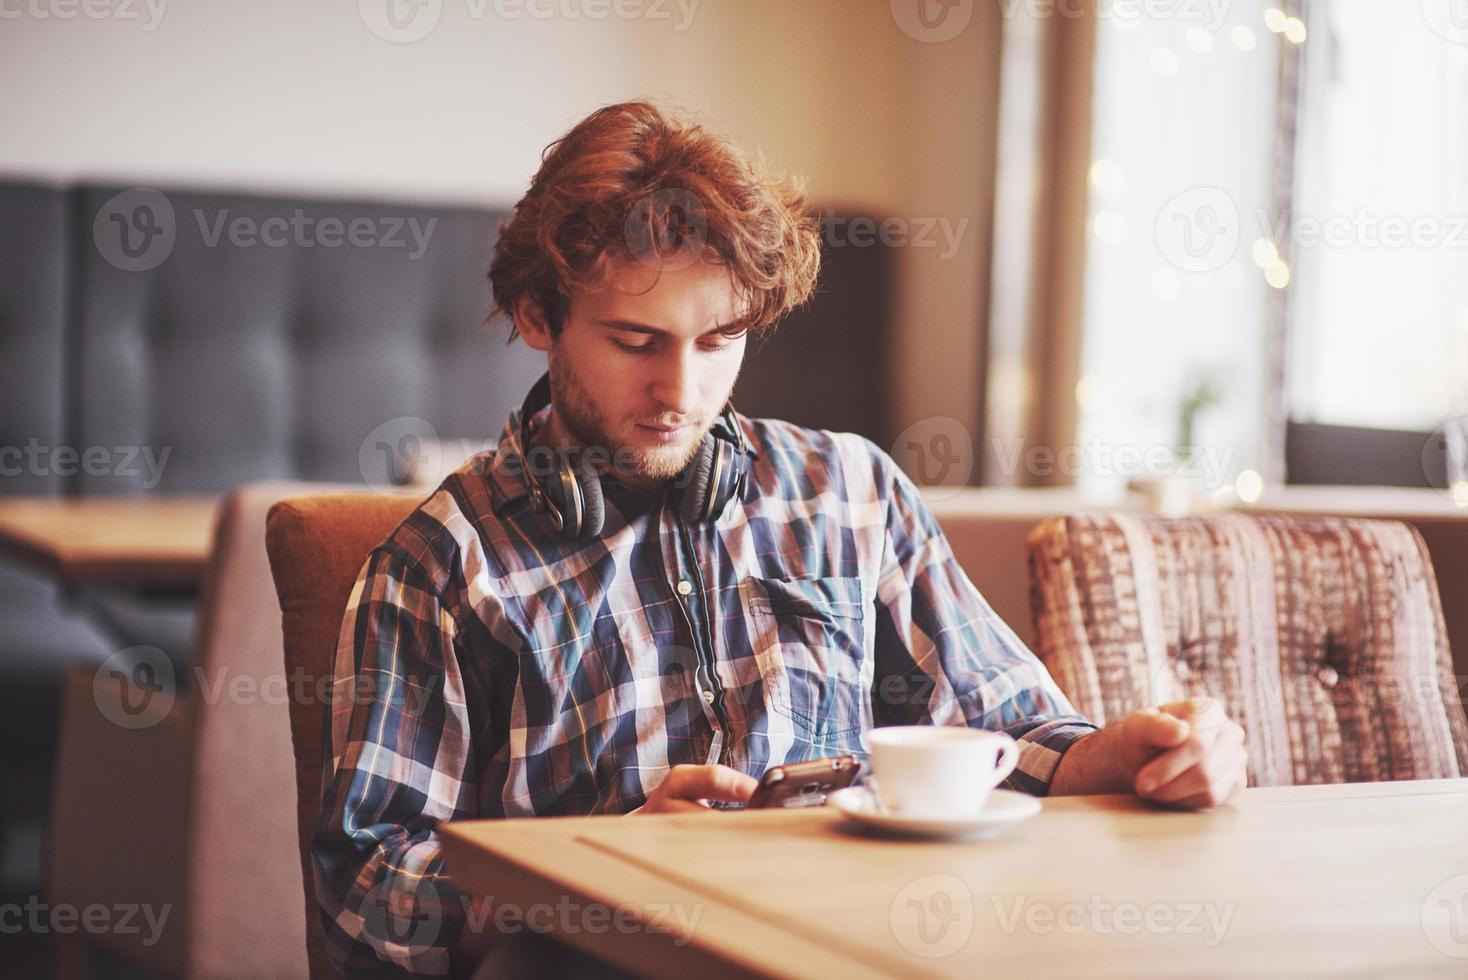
(643,366)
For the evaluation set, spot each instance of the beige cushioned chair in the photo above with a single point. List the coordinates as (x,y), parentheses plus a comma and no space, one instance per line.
(317,545)
(1323,636)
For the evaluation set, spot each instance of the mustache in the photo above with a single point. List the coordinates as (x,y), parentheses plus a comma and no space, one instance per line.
(668,422)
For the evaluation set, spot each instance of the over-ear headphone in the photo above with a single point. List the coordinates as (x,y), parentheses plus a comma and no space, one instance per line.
(572,493)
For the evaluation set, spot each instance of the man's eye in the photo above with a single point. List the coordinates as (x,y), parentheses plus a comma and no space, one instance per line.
(633,348)
(728,340)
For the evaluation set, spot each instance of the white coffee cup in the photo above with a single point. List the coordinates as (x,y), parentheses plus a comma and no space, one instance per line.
(938,771)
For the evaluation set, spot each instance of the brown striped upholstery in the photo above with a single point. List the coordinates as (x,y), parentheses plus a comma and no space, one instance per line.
(1323,636)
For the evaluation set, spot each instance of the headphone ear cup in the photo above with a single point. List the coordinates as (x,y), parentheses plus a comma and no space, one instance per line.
(594,512)
(733,480)
(700,475)
(563,490)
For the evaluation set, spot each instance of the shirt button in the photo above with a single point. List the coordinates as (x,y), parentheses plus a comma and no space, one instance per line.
(685,587)
(1328,676)
(708,697)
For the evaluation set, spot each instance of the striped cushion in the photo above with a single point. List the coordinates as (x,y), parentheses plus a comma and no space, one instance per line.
(1323,636)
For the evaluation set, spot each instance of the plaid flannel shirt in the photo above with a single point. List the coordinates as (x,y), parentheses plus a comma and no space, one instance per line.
(488,667)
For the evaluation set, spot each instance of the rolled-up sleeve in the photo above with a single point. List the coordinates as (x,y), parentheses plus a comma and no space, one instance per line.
(944,657)
(400,761)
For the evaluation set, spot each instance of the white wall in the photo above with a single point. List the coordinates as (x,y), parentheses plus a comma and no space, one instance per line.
(304,97)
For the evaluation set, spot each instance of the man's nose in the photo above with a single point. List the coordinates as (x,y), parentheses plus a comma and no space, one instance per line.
(675,388)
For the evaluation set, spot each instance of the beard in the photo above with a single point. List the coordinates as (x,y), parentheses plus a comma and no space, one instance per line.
(631,462)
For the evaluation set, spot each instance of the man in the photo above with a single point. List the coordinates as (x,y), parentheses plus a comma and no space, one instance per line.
(641,600)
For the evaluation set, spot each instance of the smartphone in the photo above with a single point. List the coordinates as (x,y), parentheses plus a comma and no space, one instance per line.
(804,783)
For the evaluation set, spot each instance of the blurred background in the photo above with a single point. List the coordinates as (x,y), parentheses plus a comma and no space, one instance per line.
(1166,254)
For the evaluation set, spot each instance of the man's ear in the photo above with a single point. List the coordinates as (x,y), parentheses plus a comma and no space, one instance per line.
(531,323)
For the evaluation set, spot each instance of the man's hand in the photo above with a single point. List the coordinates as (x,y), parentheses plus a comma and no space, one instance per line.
(1186,754)
(687,789)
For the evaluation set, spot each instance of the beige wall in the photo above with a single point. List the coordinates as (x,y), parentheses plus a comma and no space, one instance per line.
(302,97)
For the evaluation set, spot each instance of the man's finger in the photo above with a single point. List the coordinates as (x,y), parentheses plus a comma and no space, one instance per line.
(1172,764)
(1198,749)
(1167,767)
(1206,799)
(1203,713)
(1215,777)
(710,783)
(1155,728)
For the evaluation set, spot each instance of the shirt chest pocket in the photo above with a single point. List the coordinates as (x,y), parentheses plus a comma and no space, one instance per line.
(810,638)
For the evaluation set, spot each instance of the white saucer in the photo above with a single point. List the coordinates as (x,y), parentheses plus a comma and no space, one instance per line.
(1002,808)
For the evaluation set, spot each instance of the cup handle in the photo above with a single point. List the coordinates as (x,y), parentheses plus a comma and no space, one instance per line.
(1008,759)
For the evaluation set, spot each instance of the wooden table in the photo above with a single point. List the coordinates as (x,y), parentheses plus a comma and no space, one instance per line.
(1360,879)
(143,544)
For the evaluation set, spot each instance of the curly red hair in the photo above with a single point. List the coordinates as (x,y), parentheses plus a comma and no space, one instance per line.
(631,182)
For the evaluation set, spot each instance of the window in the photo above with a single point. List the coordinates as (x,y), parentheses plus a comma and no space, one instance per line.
(1378,321)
